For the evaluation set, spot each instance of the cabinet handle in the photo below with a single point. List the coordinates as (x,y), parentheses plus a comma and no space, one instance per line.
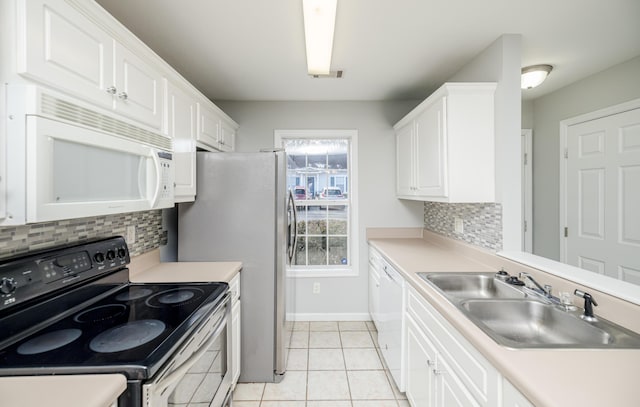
(111,90)
(438,372)
(123,95)
(430,363)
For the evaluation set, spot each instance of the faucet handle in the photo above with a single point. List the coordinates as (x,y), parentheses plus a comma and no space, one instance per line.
(589,302)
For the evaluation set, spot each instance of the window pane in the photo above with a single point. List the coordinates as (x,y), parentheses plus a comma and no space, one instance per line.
(338,224)
(317,247)
(317,225)
(301,251)
(337,250)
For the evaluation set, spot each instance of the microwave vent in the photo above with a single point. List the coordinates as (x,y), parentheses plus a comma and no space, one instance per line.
(70,112)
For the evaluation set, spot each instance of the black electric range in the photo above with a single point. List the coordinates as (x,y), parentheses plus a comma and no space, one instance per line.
(72,310)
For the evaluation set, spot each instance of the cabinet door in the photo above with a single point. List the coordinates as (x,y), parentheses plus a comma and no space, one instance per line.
(431,151)
(139,88)
(60,47)
(182,130)
(421,358)
(404,160)
(236,341)
(208,127)
(374,295)
(227,137)
(450,392)
(511,397)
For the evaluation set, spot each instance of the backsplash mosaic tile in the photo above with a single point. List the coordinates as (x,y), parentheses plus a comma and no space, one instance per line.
(482,222)
(16,240)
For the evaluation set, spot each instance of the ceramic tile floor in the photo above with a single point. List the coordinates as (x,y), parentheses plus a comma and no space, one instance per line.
(330,364)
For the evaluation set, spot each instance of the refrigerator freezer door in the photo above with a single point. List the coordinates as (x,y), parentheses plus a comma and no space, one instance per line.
(239,215)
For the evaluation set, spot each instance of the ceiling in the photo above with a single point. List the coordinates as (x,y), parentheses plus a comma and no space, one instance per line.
(388,49)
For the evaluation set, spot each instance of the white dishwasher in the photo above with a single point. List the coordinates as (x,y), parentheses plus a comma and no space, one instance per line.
(390,333)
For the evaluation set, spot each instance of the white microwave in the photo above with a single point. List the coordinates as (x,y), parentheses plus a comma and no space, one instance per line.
(66,159)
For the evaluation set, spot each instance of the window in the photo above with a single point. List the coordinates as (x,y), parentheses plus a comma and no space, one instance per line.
(320,175)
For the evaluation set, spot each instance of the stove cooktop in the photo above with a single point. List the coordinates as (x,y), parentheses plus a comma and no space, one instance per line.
(135,326)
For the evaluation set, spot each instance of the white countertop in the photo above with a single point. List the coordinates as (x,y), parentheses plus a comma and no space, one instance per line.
(147,268)
(99,390)
(548,378)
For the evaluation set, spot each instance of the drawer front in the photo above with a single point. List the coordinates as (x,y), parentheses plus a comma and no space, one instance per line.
(234,288)
(475,372)
(375,258)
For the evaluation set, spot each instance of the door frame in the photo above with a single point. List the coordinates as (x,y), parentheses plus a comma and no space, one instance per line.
(564,130)
(527,190)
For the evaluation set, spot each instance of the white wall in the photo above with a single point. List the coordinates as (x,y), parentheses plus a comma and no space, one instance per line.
(615,85)
(378,206)
(500,62)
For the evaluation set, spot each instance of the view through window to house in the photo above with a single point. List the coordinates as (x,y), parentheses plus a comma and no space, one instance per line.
(318,176)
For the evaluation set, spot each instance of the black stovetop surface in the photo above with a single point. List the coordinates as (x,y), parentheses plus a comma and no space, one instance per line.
(128,328)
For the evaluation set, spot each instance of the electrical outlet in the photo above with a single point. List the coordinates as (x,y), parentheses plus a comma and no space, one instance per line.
(131,234)
(459,225)
(316,288)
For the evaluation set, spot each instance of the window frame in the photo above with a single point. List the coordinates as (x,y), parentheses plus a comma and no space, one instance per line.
(352,235)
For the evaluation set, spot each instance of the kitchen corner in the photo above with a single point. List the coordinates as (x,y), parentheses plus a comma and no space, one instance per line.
(547,377)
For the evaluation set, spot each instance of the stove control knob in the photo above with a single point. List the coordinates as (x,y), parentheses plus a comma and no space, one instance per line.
(8,286)
(111,255)
(121,253)
(99,257)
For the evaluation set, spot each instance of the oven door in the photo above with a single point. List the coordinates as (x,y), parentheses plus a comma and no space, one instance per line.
(200,372)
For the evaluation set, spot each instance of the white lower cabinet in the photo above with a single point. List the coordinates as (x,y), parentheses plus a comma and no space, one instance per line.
(374,286)
(511,397)
(456,373)
(234,287)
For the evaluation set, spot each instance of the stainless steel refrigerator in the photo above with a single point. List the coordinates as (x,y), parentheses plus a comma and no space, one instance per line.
(243,212)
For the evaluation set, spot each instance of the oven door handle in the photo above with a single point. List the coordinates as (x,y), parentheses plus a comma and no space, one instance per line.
(177,374)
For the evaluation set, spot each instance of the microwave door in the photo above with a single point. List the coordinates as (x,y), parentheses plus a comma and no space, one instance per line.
(76,172)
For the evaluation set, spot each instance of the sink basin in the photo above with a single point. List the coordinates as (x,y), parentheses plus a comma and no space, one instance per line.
(462,286)
(514,319)
(533,324)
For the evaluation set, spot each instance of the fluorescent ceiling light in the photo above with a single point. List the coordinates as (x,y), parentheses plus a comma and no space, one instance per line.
(534,75)
(319,24)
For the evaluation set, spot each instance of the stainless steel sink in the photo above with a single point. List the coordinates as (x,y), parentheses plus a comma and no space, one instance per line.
(514,319)
(533,324)
(471,285)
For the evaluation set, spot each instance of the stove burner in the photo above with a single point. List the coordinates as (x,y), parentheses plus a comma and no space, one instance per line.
(49,341)
(134,293)
(101,313)
(175,297)
(127,336)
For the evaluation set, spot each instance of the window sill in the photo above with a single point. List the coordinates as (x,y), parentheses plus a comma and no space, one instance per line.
(315,273)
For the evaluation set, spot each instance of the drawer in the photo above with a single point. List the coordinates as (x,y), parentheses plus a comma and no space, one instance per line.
(234,288)
(375,258)
(476,373)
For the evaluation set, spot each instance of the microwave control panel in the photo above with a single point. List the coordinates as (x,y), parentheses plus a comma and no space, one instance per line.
(167,177)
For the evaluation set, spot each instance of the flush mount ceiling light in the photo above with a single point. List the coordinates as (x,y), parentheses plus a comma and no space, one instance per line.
(534,75)
(319,24)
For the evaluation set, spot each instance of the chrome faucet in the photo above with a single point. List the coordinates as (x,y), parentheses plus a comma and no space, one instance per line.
(546,290)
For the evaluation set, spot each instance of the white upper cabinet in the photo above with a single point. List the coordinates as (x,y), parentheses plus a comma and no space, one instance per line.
(138,88)
(181,121)
(62,48)
(216,131)
(445,147)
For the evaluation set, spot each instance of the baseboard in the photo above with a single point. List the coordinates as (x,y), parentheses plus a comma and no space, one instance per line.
(328,317)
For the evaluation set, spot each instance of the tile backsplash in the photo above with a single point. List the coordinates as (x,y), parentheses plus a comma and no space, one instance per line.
(482,222)
(15,240)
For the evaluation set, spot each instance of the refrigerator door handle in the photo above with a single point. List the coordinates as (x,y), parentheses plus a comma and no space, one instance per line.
(293,242)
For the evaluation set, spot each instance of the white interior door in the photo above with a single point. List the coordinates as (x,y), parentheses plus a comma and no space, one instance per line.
(603,195)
